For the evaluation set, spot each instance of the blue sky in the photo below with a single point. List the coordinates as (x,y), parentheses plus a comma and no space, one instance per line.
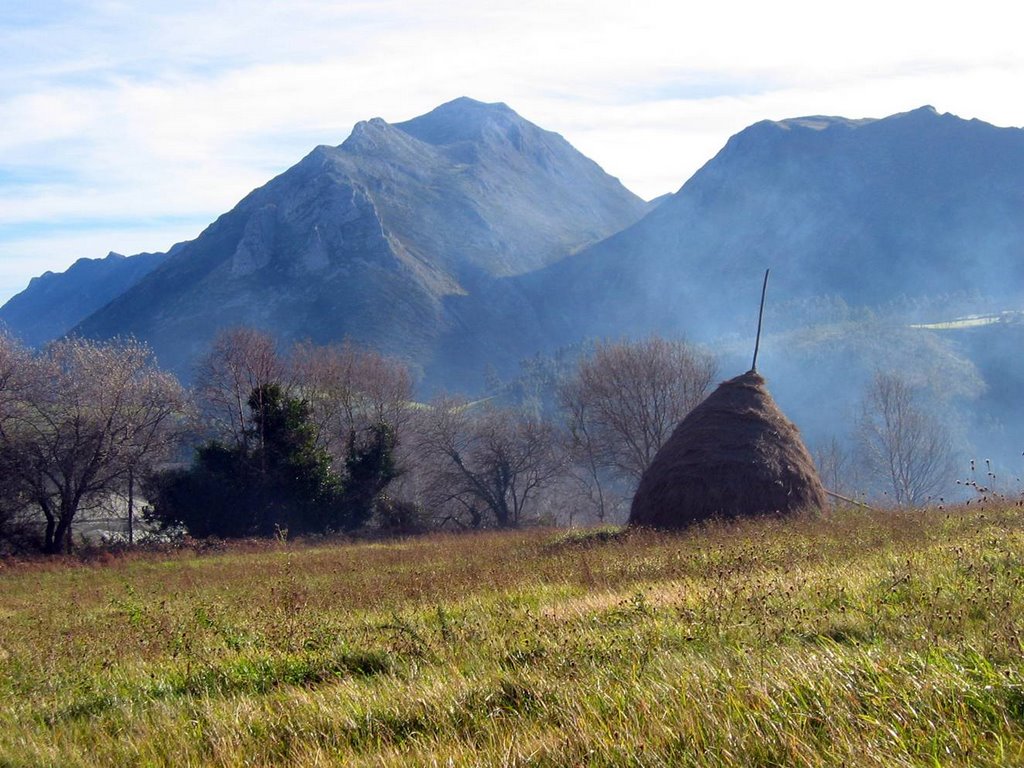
(129,126)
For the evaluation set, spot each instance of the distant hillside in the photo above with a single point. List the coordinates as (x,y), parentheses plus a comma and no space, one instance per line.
(54,303)
(366,239)
(891,212)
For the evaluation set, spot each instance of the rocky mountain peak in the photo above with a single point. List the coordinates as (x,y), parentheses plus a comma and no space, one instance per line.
(464,119)
(368,135)
(926,111)
(371,239)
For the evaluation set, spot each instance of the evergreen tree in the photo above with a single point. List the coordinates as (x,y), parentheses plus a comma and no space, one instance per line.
(298,489)
(277,478)
(370,468)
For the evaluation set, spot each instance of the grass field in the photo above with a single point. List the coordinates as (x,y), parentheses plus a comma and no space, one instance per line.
(861,639)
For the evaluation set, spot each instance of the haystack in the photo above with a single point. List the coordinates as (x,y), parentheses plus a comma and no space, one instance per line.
(734,455)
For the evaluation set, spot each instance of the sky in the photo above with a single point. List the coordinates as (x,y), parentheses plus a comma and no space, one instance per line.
(129,126)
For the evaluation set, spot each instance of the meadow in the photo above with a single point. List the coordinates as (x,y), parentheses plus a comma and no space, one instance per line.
(861,638)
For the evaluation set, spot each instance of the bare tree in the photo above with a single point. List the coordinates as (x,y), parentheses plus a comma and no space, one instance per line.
(835,466)
(902,443)
(486,461)
(85,417)
(625,400)
(351,391)
(241,361)
(14,365)
(588,463)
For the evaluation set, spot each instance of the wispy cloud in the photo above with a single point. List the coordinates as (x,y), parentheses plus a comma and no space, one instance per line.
(139,122)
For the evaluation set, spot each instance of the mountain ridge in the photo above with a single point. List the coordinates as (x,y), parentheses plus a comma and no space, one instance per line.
(365,239)
(55,302)
(874,211)
(437,239)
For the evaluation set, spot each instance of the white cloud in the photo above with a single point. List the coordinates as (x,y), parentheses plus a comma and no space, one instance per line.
(144,114)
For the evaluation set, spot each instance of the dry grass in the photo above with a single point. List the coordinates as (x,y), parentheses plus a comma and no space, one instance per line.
(863,639)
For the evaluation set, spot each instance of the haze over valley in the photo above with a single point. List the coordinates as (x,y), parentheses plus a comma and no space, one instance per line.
(469,239)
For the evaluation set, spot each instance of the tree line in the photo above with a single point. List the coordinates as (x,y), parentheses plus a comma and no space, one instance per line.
(331,439)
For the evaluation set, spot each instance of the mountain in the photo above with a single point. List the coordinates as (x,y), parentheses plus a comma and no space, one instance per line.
(368,238)
(914,211)
(54,303)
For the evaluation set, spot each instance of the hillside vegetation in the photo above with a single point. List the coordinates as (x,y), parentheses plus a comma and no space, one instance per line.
(860,639)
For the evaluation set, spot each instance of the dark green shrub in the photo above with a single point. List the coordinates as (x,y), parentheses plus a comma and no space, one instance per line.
(277,479)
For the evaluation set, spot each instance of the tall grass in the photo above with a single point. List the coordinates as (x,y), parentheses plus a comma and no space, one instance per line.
(860,639)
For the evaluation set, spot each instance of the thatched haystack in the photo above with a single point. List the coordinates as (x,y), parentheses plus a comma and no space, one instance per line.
(734,455)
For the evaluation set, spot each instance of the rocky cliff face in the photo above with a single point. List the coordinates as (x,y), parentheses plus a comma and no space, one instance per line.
(366,239)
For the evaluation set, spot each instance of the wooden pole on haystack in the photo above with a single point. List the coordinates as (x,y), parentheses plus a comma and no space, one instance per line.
(760,315)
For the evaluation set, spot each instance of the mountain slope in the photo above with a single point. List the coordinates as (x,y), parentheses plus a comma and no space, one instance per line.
(54,303)
(916,207)
(366,239)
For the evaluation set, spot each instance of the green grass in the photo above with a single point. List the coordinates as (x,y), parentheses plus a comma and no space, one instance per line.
(862,639)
